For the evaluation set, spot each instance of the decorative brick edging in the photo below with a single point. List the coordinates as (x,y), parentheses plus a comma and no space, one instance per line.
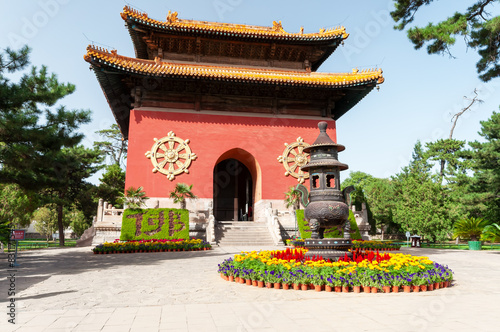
(340,289)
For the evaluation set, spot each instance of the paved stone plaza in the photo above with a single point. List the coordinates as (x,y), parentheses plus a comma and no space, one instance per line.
(75,290)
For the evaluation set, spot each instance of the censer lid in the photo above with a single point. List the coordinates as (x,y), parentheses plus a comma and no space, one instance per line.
(323,139)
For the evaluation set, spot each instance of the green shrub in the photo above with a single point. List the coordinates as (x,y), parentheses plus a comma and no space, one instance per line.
(139,224)
(305,230)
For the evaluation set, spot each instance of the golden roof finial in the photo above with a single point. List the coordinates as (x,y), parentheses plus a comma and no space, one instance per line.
(355,70)
(301,30)
(172,17)
(322,30)
(277,26)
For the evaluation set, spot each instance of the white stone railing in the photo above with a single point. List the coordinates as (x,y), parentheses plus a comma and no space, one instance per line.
(273,225)
(210,230)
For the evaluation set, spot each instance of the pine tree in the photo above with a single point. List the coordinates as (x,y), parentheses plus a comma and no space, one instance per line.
(31,133)
(486,165)
(480,30)
(39,143)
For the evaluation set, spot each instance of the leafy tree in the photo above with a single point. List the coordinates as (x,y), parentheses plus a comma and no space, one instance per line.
(111,184)
(420,207)
(480,30)
(379,195)
(16,205)
(115,146)
(45,220)
(181,192)
(76,220)
(133,198)
(359,180)
(485,184)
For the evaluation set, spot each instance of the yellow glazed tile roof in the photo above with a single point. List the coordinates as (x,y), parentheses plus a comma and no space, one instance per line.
(227,29)
(160,68)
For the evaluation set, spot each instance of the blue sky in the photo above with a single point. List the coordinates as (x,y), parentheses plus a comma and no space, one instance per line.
(416,102)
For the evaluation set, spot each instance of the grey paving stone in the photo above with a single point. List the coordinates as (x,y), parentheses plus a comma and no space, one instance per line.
(76,290)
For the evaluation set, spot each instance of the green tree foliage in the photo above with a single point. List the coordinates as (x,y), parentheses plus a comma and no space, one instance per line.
(71,167)
(76,220)
(16,205)
(469,228)
(45,220)
(491,233)
(485,186)
(359,180)
(114,146)
(292,198)
(380,198)
(181,192)
(420,206)
(451,156)
(39,148)
(31,132)
(111,184)
(133,198)
(480,30)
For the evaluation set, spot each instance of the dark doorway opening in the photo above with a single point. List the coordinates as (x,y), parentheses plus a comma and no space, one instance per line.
(233,191)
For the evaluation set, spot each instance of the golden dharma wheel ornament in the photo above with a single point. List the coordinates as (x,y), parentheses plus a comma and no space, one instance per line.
(293,158)
(171,155)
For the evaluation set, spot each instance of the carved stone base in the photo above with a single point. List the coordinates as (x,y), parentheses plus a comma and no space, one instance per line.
(328,248)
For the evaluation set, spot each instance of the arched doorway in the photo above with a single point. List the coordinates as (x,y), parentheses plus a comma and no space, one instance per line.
(233,191)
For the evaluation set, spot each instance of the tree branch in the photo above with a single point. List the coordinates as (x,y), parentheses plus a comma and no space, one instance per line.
(457,115)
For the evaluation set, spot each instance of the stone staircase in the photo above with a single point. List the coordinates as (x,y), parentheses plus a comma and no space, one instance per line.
(238,233)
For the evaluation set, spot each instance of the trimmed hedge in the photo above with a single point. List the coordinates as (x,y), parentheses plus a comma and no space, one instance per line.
(139,224)
(305,230)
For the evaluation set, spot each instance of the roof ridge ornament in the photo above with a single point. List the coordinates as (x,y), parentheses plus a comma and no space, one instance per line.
(278,27)
(172,17)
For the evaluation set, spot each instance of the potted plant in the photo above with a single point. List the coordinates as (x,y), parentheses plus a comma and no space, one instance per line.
(397,282)
(470,228)
(355,283)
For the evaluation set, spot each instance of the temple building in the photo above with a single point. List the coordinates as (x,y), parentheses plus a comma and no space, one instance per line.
(225,107)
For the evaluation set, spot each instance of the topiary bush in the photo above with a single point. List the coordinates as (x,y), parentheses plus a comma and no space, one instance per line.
(140,224)
(305,230)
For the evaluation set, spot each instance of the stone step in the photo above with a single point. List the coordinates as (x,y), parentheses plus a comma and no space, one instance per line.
(249,243)
(243,233)
(242,228)
(237,233)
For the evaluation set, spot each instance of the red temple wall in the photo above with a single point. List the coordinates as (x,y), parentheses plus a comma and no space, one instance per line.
(214,138)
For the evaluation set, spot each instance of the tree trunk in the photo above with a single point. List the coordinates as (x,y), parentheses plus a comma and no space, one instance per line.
(183,204)
(60,224)
(441,171)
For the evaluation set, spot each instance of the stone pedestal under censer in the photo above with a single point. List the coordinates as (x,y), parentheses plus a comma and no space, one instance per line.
(327,208)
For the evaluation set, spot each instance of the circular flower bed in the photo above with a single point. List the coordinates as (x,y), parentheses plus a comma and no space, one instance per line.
(155,245)
(372,272)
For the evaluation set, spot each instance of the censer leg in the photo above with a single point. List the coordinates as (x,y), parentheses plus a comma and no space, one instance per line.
(321,233)
(314,225)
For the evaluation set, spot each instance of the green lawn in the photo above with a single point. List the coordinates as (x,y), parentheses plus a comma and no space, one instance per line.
(452,245)
(40,244)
